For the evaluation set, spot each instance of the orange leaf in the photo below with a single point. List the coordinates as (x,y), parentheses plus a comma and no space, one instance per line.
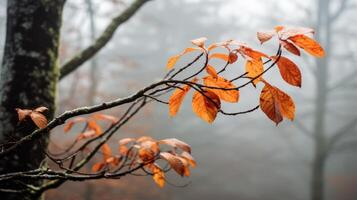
(39,119)
(220,82)
(270,105)
(176,99)
(224,44)
(308,44)
(186,170)
(213,46)
(158,175)
(173,59)
(276,104)
(206,107)
(41,109)
(126,141)
(114,161)
(107,152)
(110,118)
(290,47)
(174,162)
(87,134)
(123,150)
(22,113)
(176,144)
(279,28)
(189,158)
(94,126)
(289,71)
(232,57)
(265,36)
(292,31)
(70,124)
(188,50)
(200,42)
(144,139)
(219,56)
(211,71)
(255,55)
(287,106)
(152,145)
(98,166)
(254,68)
(146,154)
(148,150)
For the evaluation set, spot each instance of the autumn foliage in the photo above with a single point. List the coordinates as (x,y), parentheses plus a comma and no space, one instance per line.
(35,115)
(206,87)
(275,103)
(142,151)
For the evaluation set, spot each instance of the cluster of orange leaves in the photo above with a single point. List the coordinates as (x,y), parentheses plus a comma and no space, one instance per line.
(137,151)
(36,115)
(275,103)
(145,151)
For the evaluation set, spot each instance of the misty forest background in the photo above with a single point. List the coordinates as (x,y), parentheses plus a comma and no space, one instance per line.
(244,157)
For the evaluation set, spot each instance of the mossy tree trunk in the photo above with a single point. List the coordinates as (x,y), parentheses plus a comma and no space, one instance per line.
(29,77)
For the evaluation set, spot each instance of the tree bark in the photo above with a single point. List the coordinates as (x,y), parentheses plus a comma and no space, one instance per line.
(29,77)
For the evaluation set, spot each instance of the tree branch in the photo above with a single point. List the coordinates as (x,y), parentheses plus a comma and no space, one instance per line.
(9,147)
(342,132)
(100,42)
(303,128)
(339,11)
(344,81)
(71,164)
(351,145)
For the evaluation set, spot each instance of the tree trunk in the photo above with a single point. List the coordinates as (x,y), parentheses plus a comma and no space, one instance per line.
(93,82)
(324,36)
(29,77)
(317,177)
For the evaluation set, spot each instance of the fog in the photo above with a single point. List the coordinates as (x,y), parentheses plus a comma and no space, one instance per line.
(245,157)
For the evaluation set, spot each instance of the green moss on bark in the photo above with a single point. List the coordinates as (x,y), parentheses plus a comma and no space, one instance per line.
(29,77)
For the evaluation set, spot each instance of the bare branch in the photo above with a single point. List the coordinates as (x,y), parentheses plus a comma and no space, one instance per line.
(351,145)
(303,128)
(100,42)
(340,10)
(241,112)
(345,130)
(71,161)
(344,81)
(118,102)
